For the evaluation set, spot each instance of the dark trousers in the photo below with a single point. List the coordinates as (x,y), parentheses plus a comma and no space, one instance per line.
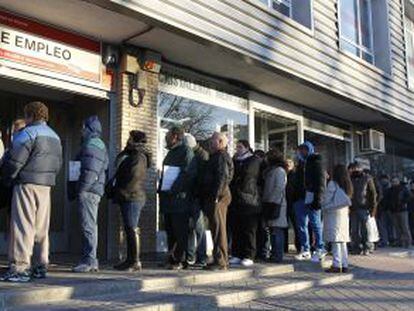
(244,228)
(217,218)
(411,222)
(292,221)
(176,226)
(359,232)
(263,242)
(278,241)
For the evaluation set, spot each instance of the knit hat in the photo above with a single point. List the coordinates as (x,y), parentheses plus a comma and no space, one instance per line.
(190,141)
(138,136)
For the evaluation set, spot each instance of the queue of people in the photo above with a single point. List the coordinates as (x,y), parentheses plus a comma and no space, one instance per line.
(248,202)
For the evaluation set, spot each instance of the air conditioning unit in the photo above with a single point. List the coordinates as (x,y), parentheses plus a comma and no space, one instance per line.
(372,141)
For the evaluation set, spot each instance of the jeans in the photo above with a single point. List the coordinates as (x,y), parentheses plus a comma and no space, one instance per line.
(307,217)
(131,212)
(88,211)
(385,227)
(197,243)
(340,255)
(278,243)
(359,233)
(263,241)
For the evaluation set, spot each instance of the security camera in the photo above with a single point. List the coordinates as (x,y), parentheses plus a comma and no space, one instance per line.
(110,55)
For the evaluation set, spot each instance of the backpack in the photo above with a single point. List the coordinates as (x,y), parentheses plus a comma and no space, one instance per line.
(359,199)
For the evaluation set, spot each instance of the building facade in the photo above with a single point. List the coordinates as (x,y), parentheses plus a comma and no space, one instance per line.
(276,72)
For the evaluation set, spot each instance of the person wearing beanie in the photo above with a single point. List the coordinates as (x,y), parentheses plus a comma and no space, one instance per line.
(197,248)
(90,189)
(128,191)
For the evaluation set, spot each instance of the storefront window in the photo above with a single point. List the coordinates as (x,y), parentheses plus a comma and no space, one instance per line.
(200,119)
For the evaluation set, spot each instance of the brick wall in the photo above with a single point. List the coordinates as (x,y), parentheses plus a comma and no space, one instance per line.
(142,118)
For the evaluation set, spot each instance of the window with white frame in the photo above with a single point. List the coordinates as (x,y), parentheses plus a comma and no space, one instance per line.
(298,10)
(356,28)
(409,39)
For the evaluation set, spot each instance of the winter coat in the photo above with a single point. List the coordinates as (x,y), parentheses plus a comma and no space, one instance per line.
(410,203)
(197,170)
(217,178)
(296,181)
(397,198)
(274,191)
(130,177)
(335,220)
(365,194)
(245,186)
(35,156)
(383,204)
(314,178)
(176,200)
(94,159)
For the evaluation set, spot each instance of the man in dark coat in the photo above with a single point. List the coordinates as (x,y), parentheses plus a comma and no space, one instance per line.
(364,205)
(174,196)
(217,197)
(94,163)
(129,192)
(31,166)
(308,208)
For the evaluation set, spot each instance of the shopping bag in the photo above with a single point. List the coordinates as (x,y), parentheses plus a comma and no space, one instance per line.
(372,229)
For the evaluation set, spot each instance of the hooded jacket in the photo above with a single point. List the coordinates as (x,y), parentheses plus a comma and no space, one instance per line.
(93,157)
(35,156)
(314,177)
(132,164)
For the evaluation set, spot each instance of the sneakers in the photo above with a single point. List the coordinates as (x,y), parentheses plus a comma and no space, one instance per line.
(319,255)
(246,262)
(39,272)
(85,268)
(235,261)
(16,277)
(303,256)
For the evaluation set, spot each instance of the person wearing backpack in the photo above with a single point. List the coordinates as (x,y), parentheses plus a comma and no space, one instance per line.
(335,209)
(364,205)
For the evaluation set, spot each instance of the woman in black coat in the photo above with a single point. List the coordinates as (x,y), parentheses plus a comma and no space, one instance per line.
(129,192)
(245,208)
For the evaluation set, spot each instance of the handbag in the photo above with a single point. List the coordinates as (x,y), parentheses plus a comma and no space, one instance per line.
(339,200)
(372,229)
(271,211)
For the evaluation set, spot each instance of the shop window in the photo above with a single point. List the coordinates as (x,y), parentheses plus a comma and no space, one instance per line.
(363,30)
(298,10)
(200,119)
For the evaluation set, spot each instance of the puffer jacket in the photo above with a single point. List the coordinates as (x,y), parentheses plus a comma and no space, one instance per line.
(274,191)
(314,176)
(35,156)
(218,175)
(132,164)
(176,200)
(245,185)
(365,194)
(93,157)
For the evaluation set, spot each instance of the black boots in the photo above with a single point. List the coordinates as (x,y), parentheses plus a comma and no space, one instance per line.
(132,263)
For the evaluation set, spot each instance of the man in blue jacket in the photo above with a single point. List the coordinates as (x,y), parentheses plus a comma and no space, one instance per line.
(31,166)
(94,163)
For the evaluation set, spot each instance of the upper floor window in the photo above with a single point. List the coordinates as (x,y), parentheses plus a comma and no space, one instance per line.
(298,10)
(409,42)
(282,6)
(356,28)
(364,31)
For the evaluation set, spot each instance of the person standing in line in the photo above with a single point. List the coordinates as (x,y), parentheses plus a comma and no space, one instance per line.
(335,209)
(245,208)
(308,209)
(197,240)
(398,196)
(90,189)
(385,226)
(31,167)
(174,195)
(290,198)
(129,192)
(275,203)
(364,205)
(217,197)
(410,206)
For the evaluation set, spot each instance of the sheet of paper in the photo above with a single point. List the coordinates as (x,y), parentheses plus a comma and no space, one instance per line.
(170,175)
(74,170)
(310,196)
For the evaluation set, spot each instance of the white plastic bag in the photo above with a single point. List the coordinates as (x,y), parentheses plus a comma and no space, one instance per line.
(372,229)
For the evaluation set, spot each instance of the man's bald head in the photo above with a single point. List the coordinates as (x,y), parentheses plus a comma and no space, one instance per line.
(219,141)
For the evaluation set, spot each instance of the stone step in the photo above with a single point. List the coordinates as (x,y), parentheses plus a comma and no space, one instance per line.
(61,286)
(229,294)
